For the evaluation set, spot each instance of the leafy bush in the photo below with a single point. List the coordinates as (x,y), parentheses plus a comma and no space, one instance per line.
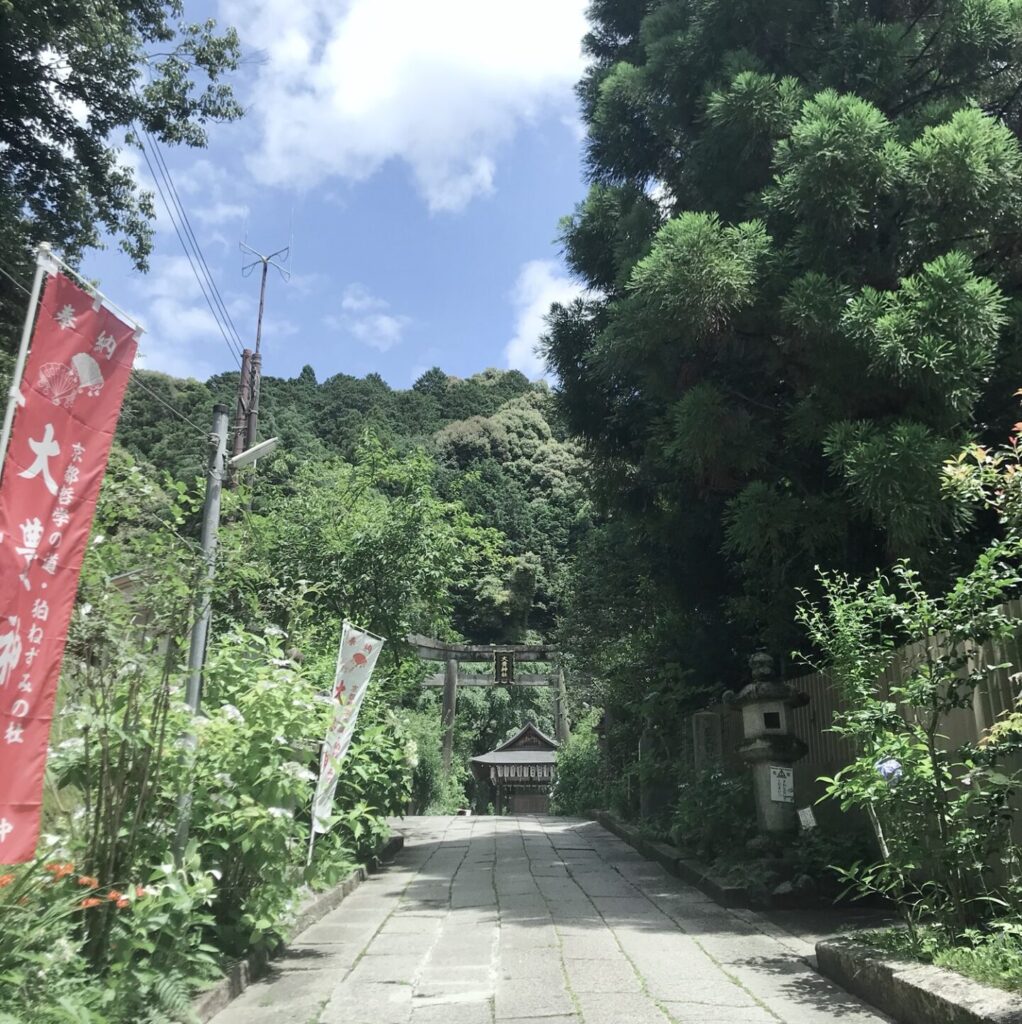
(941,812)
(431,791)
(580,784)
(714,813)
(253,779)
(153,957)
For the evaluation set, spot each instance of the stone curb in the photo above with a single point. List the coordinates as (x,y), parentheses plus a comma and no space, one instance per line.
(674,861)
(252,968)
(913,993)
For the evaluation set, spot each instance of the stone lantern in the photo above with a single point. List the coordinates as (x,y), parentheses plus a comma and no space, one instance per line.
(770,747)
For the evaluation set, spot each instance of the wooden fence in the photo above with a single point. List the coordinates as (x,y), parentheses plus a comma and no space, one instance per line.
(716,732)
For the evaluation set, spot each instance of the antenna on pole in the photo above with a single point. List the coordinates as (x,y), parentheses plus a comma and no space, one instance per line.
(266,261)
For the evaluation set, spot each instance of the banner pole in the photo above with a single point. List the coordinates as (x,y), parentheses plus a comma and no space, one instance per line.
(43,260)
(312,836)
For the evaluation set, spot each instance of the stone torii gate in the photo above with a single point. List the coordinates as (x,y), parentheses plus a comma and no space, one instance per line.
(450,679)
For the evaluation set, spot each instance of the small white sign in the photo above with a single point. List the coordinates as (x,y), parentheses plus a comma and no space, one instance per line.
(806,818)
(782,784)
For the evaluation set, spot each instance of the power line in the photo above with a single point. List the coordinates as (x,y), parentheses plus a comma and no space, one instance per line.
(188,255)
(172,189)
(14,281)
(180,415)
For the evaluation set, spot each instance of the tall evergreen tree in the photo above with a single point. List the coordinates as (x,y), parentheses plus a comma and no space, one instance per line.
(803,242)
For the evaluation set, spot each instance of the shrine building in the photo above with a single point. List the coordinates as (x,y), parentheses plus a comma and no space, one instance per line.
(520,772)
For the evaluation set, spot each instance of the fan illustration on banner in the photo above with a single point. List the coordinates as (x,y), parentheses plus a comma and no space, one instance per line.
(62,384)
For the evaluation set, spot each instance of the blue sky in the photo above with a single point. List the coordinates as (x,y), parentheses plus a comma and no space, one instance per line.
(421,154)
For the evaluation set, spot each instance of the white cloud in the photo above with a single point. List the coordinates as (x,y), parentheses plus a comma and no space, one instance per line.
(540,283)
(348,85)
(181,335)
(366,318)
(221,212)
(358,299)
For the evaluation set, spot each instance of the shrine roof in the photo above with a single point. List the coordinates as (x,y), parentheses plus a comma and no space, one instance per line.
(517,757)
(528,737)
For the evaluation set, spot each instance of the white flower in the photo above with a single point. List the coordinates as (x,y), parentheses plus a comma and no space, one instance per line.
(278,812)
(280,740)
(296,771)
(225,780)
(232,714)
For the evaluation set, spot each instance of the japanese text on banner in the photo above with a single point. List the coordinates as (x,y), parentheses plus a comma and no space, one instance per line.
(355,663)
(73,387)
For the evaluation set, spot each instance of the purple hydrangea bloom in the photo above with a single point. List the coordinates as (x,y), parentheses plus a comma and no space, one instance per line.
(889,769)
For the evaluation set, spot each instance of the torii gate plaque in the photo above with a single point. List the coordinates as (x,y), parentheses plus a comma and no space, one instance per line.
(503,657)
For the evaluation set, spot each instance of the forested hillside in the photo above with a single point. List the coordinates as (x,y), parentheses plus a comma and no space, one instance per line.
(492,446)
(453,508)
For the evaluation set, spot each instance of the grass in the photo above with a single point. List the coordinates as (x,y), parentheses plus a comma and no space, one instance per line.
(993,957)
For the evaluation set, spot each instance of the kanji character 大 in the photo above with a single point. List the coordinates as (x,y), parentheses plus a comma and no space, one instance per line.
(45,449)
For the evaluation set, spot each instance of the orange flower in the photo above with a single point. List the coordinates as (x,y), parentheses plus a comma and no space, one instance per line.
(122,903)
(113,895)
(90,902)
(139,892)
(60,870)
(88,881)
(6,880)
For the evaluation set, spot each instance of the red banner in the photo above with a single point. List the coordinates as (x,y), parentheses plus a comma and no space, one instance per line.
(73,387)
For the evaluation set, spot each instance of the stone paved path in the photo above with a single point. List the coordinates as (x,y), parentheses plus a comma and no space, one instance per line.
(537,920)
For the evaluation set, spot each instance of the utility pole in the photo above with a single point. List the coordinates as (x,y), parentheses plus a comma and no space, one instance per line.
(241,412)
(252,430)
(203,602)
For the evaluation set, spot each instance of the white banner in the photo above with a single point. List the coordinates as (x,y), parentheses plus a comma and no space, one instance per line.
(355,663)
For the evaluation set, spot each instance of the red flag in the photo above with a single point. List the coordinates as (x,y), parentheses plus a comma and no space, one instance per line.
(73,386)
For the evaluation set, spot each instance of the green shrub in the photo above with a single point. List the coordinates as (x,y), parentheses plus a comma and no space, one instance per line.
(941,812)
(431,791)
(714,813)
(581,783)
(992,956)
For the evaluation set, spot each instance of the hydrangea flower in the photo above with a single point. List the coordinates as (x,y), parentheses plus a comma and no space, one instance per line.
(232,714)
(890,770)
